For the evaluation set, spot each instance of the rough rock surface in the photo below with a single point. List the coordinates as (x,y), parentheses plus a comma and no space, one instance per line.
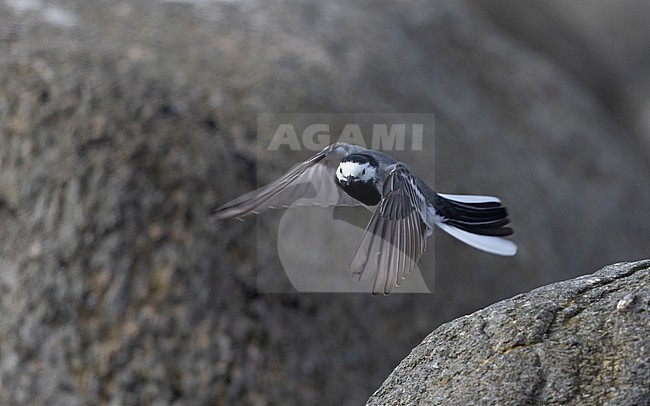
(121,122)
(581,341)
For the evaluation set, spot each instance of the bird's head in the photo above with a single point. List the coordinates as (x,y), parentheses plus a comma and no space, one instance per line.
(357,169)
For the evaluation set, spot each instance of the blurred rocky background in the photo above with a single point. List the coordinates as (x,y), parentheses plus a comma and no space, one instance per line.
(122,122)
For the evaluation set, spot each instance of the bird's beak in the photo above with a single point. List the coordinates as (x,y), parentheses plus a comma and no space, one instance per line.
(347,180)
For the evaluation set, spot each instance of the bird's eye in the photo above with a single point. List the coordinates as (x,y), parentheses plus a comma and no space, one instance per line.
(340,169)
(363,173)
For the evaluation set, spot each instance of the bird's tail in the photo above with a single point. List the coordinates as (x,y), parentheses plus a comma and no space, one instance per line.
(479,221)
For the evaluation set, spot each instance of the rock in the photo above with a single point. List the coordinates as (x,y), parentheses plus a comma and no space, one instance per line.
(579,341)
(121,122)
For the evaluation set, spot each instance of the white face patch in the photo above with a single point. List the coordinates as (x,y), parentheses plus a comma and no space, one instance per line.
(364,172)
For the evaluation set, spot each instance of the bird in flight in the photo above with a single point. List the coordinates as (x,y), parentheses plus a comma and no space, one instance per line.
(406,210)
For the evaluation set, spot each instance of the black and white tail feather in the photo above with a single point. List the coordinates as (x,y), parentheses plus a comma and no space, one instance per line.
(479,221)
(395,238)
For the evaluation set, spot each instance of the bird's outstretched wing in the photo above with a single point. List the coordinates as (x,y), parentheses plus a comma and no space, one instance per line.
(395,238)
(308,183)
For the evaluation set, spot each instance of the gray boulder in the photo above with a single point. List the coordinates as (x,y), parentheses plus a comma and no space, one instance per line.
(581,341)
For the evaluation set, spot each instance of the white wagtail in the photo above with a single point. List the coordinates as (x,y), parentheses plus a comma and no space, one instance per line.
(395,239)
